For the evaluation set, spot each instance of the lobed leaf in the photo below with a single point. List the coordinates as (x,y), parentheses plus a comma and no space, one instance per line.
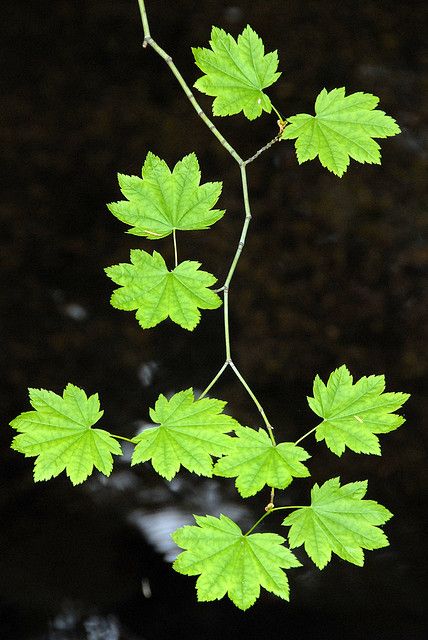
(190,431)
(236,72)
(338,521)
(231,563)
(163,200)
(157,293)
(353,413)
(59,433)
(342,128)
(256,462)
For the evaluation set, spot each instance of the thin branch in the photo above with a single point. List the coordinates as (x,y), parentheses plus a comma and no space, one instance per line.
(148,40)
(226,322)
(174,237)
(255,400)
(144,20)
(305,435)
(214,380)
(267,146)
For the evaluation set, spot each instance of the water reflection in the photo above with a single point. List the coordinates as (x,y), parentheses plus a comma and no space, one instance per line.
(72,623)
(158,525)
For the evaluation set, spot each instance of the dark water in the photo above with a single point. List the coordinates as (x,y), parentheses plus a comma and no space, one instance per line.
(333,272)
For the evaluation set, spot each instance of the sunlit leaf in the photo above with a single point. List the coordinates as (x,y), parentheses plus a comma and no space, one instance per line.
(164,200)
(342,128)
(232,563)
(59,433)
(236,72)
(353,413)
(256,462)
(339,521)
(189,432)
(147,285)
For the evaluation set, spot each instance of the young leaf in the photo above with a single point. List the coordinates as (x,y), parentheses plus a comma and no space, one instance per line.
(59,433)
(342,128)
(236,72)
(190,431)
(162,201)
(338,521)
(353,413)
(257,462)
(232,563)
(148,286)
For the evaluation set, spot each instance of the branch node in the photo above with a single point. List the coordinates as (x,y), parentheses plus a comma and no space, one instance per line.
(146,41)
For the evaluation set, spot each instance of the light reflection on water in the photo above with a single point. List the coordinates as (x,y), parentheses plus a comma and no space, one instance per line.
(71,623)
(157,525)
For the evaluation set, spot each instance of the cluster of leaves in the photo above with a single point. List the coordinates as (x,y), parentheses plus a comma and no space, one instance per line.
(189,433)
(158,204)
(343,127)
(196,434)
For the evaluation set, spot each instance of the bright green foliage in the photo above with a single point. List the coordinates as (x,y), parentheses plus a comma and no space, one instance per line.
(231,563)
(59,433)
(148,286)
(257,462)
(353,413)
(236,72)
(342,128)
(162,201)
(338,521)
(190,431)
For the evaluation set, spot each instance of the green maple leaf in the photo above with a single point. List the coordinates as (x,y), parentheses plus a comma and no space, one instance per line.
(338,521)
(342,128)
(156,293)
(162,201)
(59,433)
(236,72)
(190,431)
(353,413)
(256,462)
(232,563)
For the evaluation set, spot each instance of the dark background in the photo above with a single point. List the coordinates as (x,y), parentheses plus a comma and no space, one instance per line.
(332,273)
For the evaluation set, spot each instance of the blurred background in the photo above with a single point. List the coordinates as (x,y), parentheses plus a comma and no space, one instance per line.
(333,272)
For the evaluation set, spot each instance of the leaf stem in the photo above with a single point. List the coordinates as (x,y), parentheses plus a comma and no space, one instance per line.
(214,380)
(305,435)
(121,438)
(255,400)
(265,515)
(277,113)
(174,237)
(294,506)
